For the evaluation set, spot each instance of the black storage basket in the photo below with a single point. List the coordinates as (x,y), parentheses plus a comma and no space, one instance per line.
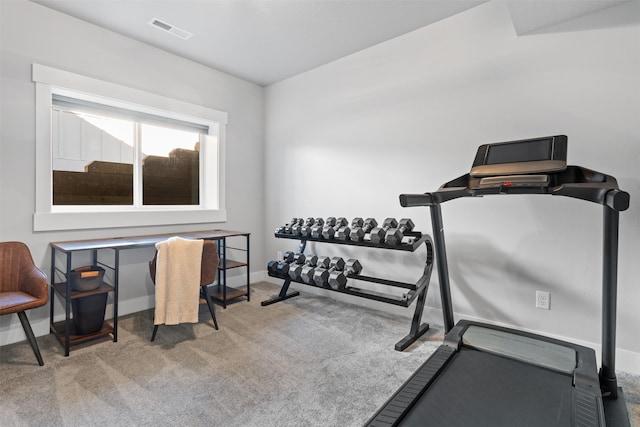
(88,311)
(86,278)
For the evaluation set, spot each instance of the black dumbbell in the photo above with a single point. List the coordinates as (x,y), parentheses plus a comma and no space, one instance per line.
(316,230)
(296,229)
(369,224)
(353,267)
(306,274)
(342,229)
(378,234)
(272,266)
(321,273)
(306,228)
(287,227)
(394,235)
(360,234)
(357,233)
(328,230)
(340,222)
(337,278)
(295,268)
(309,269)
(281,268)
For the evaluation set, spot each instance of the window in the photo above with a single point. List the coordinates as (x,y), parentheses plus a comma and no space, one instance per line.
(94,157)
(107,161)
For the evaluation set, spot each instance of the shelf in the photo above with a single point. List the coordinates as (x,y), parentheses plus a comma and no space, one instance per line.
(409,286)
(403,301)
(418,237)
(231,264)
(58,330)
(216,293)
(104,287)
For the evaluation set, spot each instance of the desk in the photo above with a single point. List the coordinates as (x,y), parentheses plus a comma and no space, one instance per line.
(63,330)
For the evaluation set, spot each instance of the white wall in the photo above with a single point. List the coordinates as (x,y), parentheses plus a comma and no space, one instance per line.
(32,33)
(407,115)
(349,137)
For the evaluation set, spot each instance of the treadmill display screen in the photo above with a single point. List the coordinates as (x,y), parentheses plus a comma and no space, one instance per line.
(528,151)
(525,157)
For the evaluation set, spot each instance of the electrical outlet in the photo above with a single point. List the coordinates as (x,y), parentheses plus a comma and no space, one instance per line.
(279,256)
(543,300)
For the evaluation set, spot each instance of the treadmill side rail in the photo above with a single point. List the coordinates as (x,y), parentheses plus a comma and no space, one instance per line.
(588,409)
(392,412)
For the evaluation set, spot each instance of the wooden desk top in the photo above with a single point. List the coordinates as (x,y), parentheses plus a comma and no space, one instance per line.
(131,242)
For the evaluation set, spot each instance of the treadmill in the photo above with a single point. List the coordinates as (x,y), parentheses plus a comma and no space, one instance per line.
(485,375)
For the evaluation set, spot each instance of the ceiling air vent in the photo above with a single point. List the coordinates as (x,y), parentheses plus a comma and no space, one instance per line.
(173,30)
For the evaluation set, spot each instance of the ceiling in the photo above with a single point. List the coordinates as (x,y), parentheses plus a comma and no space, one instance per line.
(265,41)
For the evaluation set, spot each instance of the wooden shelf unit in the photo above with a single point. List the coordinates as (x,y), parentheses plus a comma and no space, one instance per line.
(221,292)
(71,337)
(64,330)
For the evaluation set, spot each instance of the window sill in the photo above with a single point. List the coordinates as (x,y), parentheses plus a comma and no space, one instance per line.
(48,221)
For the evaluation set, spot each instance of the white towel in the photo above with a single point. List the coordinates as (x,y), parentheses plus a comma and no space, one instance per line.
(178,266)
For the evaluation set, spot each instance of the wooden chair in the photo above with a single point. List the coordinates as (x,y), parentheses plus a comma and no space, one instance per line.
(23,286)
(208,274)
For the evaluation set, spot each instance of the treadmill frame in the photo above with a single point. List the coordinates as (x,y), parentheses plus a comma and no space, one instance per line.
(575,182)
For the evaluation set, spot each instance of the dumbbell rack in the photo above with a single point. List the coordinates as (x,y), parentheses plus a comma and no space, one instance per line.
(416,291)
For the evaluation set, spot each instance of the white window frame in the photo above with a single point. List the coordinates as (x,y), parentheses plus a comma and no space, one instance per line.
(48,217)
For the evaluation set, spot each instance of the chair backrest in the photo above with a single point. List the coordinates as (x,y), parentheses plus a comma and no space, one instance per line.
(18,272)
(210,262)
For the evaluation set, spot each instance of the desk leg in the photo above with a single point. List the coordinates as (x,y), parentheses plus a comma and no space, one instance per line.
(248,272)
(224,272)
(52,281)
(67,319)
(116,279)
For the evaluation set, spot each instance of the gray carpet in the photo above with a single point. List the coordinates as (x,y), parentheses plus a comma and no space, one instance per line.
(308,361)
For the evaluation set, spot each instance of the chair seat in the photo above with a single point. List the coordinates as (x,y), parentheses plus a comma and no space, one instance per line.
(13,302)
(23,286)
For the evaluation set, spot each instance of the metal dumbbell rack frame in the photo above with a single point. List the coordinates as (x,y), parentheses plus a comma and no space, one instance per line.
(416,291)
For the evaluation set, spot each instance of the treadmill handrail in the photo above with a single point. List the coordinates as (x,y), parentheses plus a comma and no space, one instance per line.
(435,198)
(600,188)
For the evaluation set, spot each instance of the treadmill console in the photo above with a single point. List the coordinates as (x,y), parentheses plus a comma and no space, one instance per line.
(525,163)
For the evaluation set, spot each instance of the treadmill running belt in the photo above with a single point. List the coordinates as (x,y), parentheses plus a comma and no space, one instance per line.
(483,389)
